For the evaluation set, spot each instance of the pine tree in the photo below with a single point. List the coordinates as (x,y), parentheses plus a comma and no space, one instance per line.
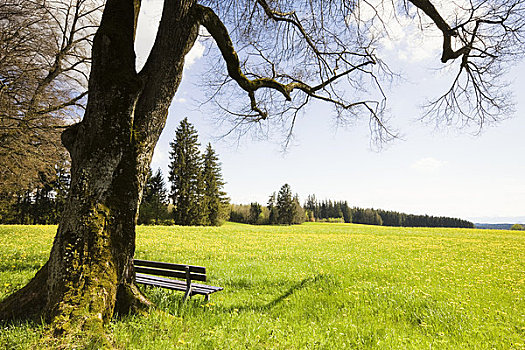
(347,212)
(185,175)
(158,196)
(273,217)
(285,205)
(255,213)
(214,199)
(311,207)
(154,206)
(299,214)
(145,210)
(42,209)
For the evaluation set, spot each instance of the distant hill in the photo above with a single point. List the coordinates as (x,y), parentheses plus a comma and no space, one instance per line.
(494,226)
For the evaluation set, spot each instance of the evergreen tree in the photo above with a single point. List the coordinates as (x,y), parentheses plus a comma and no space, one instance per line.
(214,199)
(255,213)
(311,207)
(358,215)
(185,175)
(323,210)
(285,206)
(371,217)
(299,214)
(273,217)
(154,206)
(43,205)
(347,212)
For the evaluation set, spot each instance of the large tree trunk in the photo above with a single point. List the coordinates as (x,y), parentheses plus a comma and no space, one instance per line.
(89,275)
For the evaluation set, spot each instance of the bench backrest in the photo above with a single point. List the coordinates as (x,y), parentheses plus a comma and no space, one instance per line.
(157,268)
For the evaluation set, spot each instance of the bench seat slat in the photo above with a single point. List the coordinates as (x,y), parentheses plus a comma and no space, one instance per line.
(170,273)
(155,279)
(179,285)
(169,266)
(180,288)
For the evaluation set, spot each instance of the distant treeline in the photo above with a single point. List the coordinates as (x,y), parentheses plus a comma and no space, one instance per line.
(283,209)
(340,211)
(42,204)
(328,210)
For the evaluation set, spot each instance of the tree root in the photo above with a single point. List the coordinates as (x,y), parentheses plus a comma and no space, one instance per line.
(87,330)
(76,330)
(27,303)
(130,300)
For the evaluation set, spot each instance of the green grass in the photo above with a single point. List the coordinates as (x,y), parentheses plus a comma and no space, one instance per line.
(313,286)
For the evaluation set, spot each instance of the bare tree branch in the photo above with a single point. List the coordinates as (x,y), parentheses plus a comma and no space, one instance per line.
(486,37)
(285,84)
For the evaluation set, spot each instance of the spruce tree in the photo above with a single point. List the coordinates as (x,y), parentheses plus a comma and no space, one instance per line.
(185,175)
(347,212)
(299,214)
(158,198)
(42,208)
(311,207)
(214,199)
(285,206)
(273,217)
(145,210)
(154,206)
(255,213)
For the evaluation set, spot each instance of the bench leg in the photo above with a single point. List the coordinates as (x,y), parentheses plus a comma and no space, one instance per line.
(187,294)
(207,297)
(188,283)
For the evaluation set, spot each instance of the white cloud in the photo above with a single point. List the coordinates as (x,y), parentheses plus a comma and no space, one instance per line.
(160,157)
(195,53)
(399,34)
(410,39)
(428,165)
(409,42)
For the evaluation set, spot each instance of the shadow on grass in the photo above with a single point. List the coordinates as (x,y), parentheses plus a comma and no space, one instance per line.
(171,301)
(305,283)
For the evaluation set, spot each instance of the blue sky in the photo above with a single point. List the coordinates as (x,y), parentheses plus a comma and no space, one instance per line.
(428,171)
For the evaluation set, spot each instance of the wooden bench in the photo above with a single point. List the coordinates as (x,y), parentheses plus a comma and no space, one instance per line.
(155,273)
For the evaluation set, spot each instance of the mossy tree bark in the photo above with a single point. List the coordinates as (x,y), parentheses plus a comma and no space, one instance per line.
(89,274)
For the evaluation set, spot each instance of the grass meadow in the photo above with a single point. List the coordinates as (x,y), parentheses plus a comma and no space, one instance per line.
(312,286)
